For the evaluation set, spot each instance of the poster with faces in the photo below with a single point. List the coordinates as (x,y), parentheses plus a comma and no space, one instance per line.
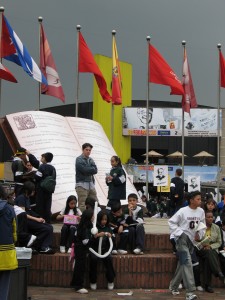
(194,183)
(160,175)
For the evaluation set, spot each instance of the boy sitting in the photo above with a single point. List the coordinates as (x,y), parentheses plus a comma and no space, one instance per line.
(134,219)
(117,223)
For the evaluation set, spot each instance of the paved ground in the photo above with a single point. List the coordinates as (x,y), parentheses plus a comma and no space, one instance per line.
(41,293)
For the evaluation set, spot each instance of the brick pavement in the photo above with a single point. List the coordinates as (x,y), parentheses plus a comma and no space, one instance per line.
(50,293)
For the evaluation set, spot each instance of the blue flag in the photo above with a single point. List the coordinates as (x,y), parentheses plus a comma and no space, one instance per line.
(22,57)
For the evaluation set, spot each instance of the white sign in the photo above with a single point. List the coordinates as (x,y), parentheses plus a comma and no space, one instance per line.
(160,175)
(194,183)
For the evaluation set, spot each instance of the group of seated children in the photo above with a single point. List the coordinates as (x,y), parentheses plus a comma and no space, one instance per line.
(127,223)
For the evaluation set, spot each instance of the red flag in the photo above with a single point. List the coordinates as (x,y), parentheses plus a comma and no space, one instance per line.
(48,68)
(222,70)
(161,72)
(188,100)
(6,74)
(7,47)
(116,76)
(87,64)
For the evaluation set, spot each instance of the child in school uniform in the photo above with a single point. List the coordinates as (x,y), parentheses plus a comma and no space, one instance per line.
(82,241)
(117,223)
(69,227)
(134,219)
(104,231)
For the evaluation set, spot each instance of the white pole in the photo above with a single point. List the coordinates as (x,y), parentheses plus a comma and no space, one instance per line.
(2,9)
(148,38)
(218,130)
(40,19)
(77,87)
(182,139)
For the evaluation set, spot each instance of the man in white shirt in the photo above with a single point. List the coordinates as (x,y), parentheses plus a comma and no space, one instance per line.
(183,228)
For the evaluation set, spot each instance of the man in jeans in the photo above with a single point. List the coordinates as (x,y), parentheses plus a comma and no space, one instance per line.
(85,171)
(183,228)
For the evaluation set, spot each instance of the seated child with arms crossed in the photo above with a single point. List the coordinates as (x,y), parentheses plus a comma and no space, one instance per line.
(104,231)
(117,223)
(68,229)
(134,219)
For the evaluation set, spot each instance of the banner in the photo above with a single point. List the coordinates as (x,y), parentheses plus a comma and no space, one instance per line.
(168,122)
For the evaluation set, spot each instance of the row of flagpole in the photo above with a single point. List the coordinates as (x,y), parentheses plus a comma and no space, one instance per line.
(158,72)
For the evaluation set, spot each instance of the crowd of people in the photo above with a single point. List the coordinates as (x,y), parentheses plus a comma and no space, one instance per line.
(86,225)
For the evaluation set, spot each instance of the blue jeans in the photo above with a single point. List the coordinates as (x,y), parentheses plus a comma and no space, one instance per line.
(184,270)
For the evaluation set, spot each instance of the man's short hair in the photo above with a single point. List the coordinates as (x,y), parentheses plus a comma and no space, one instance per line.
(193,195)
(179,172)
(86,145)
(115,207)
(132,195)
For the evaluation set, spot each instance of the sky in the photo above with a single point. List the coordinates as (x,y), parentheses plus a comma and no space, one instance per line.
(200,22)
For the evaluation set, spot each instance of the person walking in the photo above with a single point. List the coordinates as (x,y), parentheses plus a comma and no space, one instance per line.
(183,228)
(85,171)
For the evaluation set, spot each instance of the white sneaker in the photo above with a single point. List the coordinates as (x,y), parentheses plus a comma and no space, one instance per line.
(69,250)
(62,249)
(137,251)
(200,288)
(180,286)
(93,286)
(175,292)
(110,286)
(82,291)
(114,252)
(191,296)
(120,251)
(31,241)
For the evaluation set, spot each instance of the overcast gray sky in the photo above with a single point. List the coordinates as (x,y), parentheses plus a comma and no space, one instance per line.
(200,22)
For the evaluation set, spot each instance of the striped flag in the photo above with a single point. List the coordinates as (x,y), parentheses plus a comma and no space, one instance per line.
(188,99)
(20,55)
(116,76)
(48,67)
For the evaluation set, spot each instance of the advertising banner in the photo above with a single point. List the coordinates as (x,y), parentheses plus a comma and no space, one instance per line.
(168,122)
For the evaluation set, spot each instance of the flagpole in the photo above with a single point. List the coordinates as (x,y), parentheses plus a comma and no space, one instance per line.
(218,127)
(182,138)
(112,108)
(77,89)
(2,9)
(40,19)
(148,39)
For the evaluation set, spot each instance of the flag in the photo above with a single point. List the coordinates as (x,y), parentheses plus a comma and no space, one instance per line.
(48,68)
(222,70)
(17,53)
(188,99)
(6,74)
(116,76)
(86,63)
(161,72)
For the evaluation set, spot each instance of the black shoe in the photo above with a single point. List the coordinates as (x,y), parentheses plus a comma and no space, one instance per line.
(47,250)
(34,252)
(209,289)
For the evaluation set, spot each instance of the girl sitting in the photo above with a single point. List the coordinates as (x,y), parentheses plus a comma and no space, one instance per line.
(70,224)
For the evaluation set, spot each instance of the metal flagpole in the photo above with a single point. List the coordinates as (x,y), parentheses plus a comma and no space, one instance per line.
(2,9)
(112,108)
(40,19)
(182,139)
(77,88)
(218,129)
(148,38)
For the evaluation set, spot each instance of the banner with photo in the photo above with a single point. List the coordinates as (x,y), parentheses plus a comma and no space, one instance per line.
(168,122)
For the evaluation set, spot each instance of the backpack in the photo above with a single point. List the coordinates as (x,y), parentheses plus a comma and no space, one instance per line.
(48,184)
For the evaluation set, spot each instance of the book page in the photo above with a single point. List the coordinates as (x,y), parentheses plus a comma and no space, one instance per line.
(41,132)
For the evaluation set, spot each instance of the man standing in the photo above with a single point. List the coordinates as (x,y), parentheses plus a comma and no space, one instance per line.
(85,171)
(183,229)
(176,192)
